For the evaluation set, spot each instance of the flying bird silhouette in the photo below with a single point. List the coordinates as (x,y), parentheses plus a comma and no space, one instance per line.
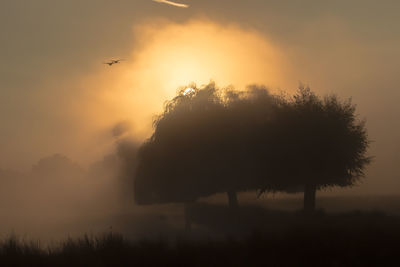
(112,62)
(171,3)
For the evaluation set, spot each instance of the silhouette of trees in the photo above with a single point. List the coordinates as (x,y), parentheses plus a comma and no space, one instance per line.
(174,160)
(211,141)
(321,142)
(56,163)
(199,146)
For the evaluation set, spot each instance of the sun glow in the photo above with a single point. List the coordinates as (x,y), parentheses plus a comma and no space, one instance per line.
(188,91)
(179,54)
(167,56)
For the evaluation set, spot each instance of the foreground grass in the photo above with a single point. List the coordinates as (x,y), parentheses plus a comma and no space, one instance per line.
(347,240)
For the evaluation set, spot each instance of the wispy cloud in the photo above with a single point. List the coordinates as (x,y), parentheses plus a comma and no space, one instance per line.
(172,3)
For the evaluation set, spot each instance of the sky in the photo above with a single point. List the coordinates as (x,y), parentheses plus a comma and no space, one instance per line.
(57,96)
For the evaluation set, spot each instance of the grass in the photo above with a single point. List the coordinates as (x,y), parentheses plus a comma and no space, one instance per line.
(351,239)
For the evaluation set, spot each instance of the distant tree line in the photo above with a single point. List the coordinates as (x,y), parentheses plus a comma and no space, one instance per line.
(210,140)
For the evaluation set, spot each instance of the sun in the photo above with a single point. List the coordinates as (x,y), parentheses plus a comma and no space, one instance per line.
(189,91)
(167,56)
(175,55)
(184,72)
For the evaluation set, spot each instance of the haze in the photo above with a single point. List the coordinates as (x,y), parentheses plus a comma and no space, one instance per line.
(56,96)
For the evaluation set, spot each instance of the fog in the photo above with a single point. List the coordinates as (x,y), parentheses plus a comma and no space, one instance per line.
(68,168)
(65,115)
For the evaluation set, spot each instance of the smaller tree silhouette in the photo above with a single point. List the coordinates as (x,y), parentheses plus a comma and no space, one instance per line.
(320,143)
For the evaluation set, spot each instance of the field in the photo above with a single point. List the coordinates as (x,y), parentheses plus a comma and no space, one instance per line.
(219,237)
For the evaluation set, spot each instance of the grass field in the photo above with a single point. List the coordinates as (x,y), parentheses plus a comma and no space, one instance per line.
(288,239)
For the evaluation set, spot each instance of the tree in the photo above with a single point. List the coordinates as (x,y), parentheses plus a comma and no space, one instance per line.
(210,141)
(200,146)
(321,142)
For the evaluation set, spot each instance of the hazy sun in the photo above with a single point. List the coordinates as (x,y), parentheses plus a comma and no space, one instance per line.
(188,91)
(166,56)
(178,54)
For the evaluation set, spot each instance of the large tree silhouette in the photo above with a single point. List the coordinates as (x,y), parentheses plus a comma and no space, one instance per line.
(321,142)
(210,141)
(200,146)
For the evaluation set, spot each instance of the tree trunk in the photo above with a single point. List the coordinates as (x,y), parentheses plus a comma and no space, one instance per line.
(233,201)
(309,198)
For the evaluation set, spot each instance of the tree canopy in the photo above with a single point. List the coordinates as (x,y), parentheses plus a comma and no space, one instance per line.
(198,147)
(321,142)
(210,140)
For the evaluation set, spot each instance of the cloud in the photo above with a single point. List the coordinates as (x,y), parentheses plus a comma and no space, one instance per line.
(172,3)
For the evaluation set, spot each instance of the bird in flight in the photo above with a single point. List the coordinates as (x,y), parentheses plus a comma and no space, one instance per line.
(112,62)
(171,3)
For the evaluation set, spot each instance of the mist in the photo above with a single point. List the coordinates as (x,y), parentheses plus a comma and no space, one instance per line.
(69,123)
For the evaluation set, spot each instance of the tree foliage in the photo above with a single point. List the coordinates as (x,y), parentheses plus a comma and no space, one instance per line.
(199,145)
(210,140)
(320,140)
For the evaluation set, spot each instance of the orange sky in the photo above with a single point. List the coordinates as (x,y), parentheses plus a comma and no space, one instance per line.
(57,96)
(173,55)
